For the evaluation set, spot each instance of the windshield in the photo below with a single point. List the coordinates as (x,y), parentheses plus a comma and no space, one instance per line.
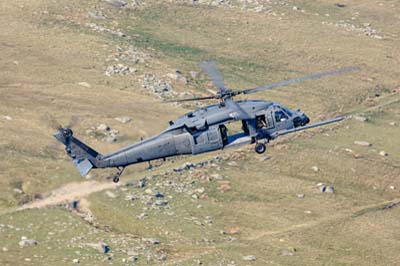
(287,111)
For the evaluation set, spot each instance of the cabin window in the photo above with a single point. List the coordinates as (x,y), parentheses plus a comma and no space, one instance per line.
(261,122)
(280,116)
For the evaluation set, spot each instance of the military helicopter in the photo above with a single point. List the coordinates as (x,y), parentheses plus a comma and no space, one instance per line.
(204,129)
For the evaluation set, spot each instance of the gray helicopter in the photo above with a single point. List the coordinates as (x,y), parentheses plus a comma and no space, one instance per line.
(204,129)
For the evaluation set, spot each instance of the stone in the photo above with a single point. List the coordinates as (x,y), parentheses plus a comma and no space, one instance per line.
(287,253)
(177,76)
(362,143)
(103,127)
(18,191)
(161,203)
(76,261)
(249,258)
(27,242)
(7,117)
(84,84)
(300,195)
(142,216)
(111,139)
(392,123)
(361,118)
(111,194)
(232,163)
(315,168)
(264,158)
(124,119)
(152,241)
(103,248)
(383,153)
(325,188)
(4,249)
(194,74)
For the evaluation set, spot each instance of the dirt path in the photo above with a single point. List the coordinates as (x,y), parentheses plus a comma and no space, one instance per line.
(69,192)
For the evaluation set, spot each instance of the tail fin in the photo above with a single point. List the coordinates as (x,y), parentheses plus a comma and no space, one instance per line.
(84,157)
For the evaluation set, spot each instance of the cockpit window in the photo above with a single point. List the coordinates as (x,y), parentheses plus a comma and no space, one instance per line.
(280,116)
(287,111)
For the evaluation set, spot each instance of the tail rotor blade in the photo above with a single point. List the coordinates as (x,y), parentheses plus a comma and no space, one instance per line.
(51,121)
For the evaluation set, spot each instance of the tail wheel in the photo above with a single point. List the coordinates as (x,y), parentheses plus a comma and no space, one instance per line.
(116,179)
(260,148)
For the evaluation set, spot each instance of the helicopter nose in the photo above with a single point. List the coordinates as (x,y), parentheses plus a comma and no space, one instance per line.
(304,120)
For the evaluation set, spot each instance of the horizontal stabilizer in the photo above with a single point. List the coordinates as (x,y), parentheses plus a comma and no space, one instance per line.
(83,166)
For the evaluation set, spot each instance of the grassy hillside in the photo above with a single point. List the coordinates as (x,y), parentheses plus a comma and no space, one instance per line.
(99,61)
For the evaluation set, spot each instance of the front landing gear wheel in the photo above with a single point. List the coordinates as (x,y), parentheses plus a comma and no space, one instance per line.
(116,179)
(260,148)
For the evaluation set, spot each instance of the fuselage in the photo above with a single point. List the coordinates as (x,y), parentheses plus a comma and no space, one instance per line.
(204,130)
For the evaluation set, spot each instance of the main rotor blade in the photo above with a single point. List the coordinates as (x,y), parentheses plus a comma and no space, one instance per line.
(237,112)
(210,68)
(192,99)
(300,79)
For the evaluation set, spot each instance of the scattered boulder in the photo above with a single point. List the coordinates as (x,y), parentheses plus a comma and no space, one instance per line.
(25,242)
(383,153)
(300,195)
(111,194)
(361,118)
(249,258)
(392,123)
(84,84)
(7,117)
(76,261)
(119,69)
(315,168)
(124,119)
(325,188)
(362,143)
(177,76)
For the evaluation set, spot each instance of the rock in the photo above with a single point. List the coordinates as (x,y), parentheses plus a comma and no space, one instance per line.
(27,242)
(76,261)
(295,8)
(152,241)
(287,253)
(161,203)
(116,3)
(111,139)
(177,76)
(18,191)
(392,123)
(119,69)
(383,153)
(103,248)
(264,158)
(142,216)
(232,163)
(325,188)
(103,127)
(340,5)
(249,258)
(360,118)
(315,168)
(84,84)
(110,194)
(7,117)
(4,249)
(132,259)
(362,143)
(300,196)
(392,187)
(194,74)
(124,119)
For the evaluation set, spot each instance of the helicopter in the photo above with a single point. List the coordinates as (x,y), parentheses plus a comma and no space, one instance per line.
(204,129)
